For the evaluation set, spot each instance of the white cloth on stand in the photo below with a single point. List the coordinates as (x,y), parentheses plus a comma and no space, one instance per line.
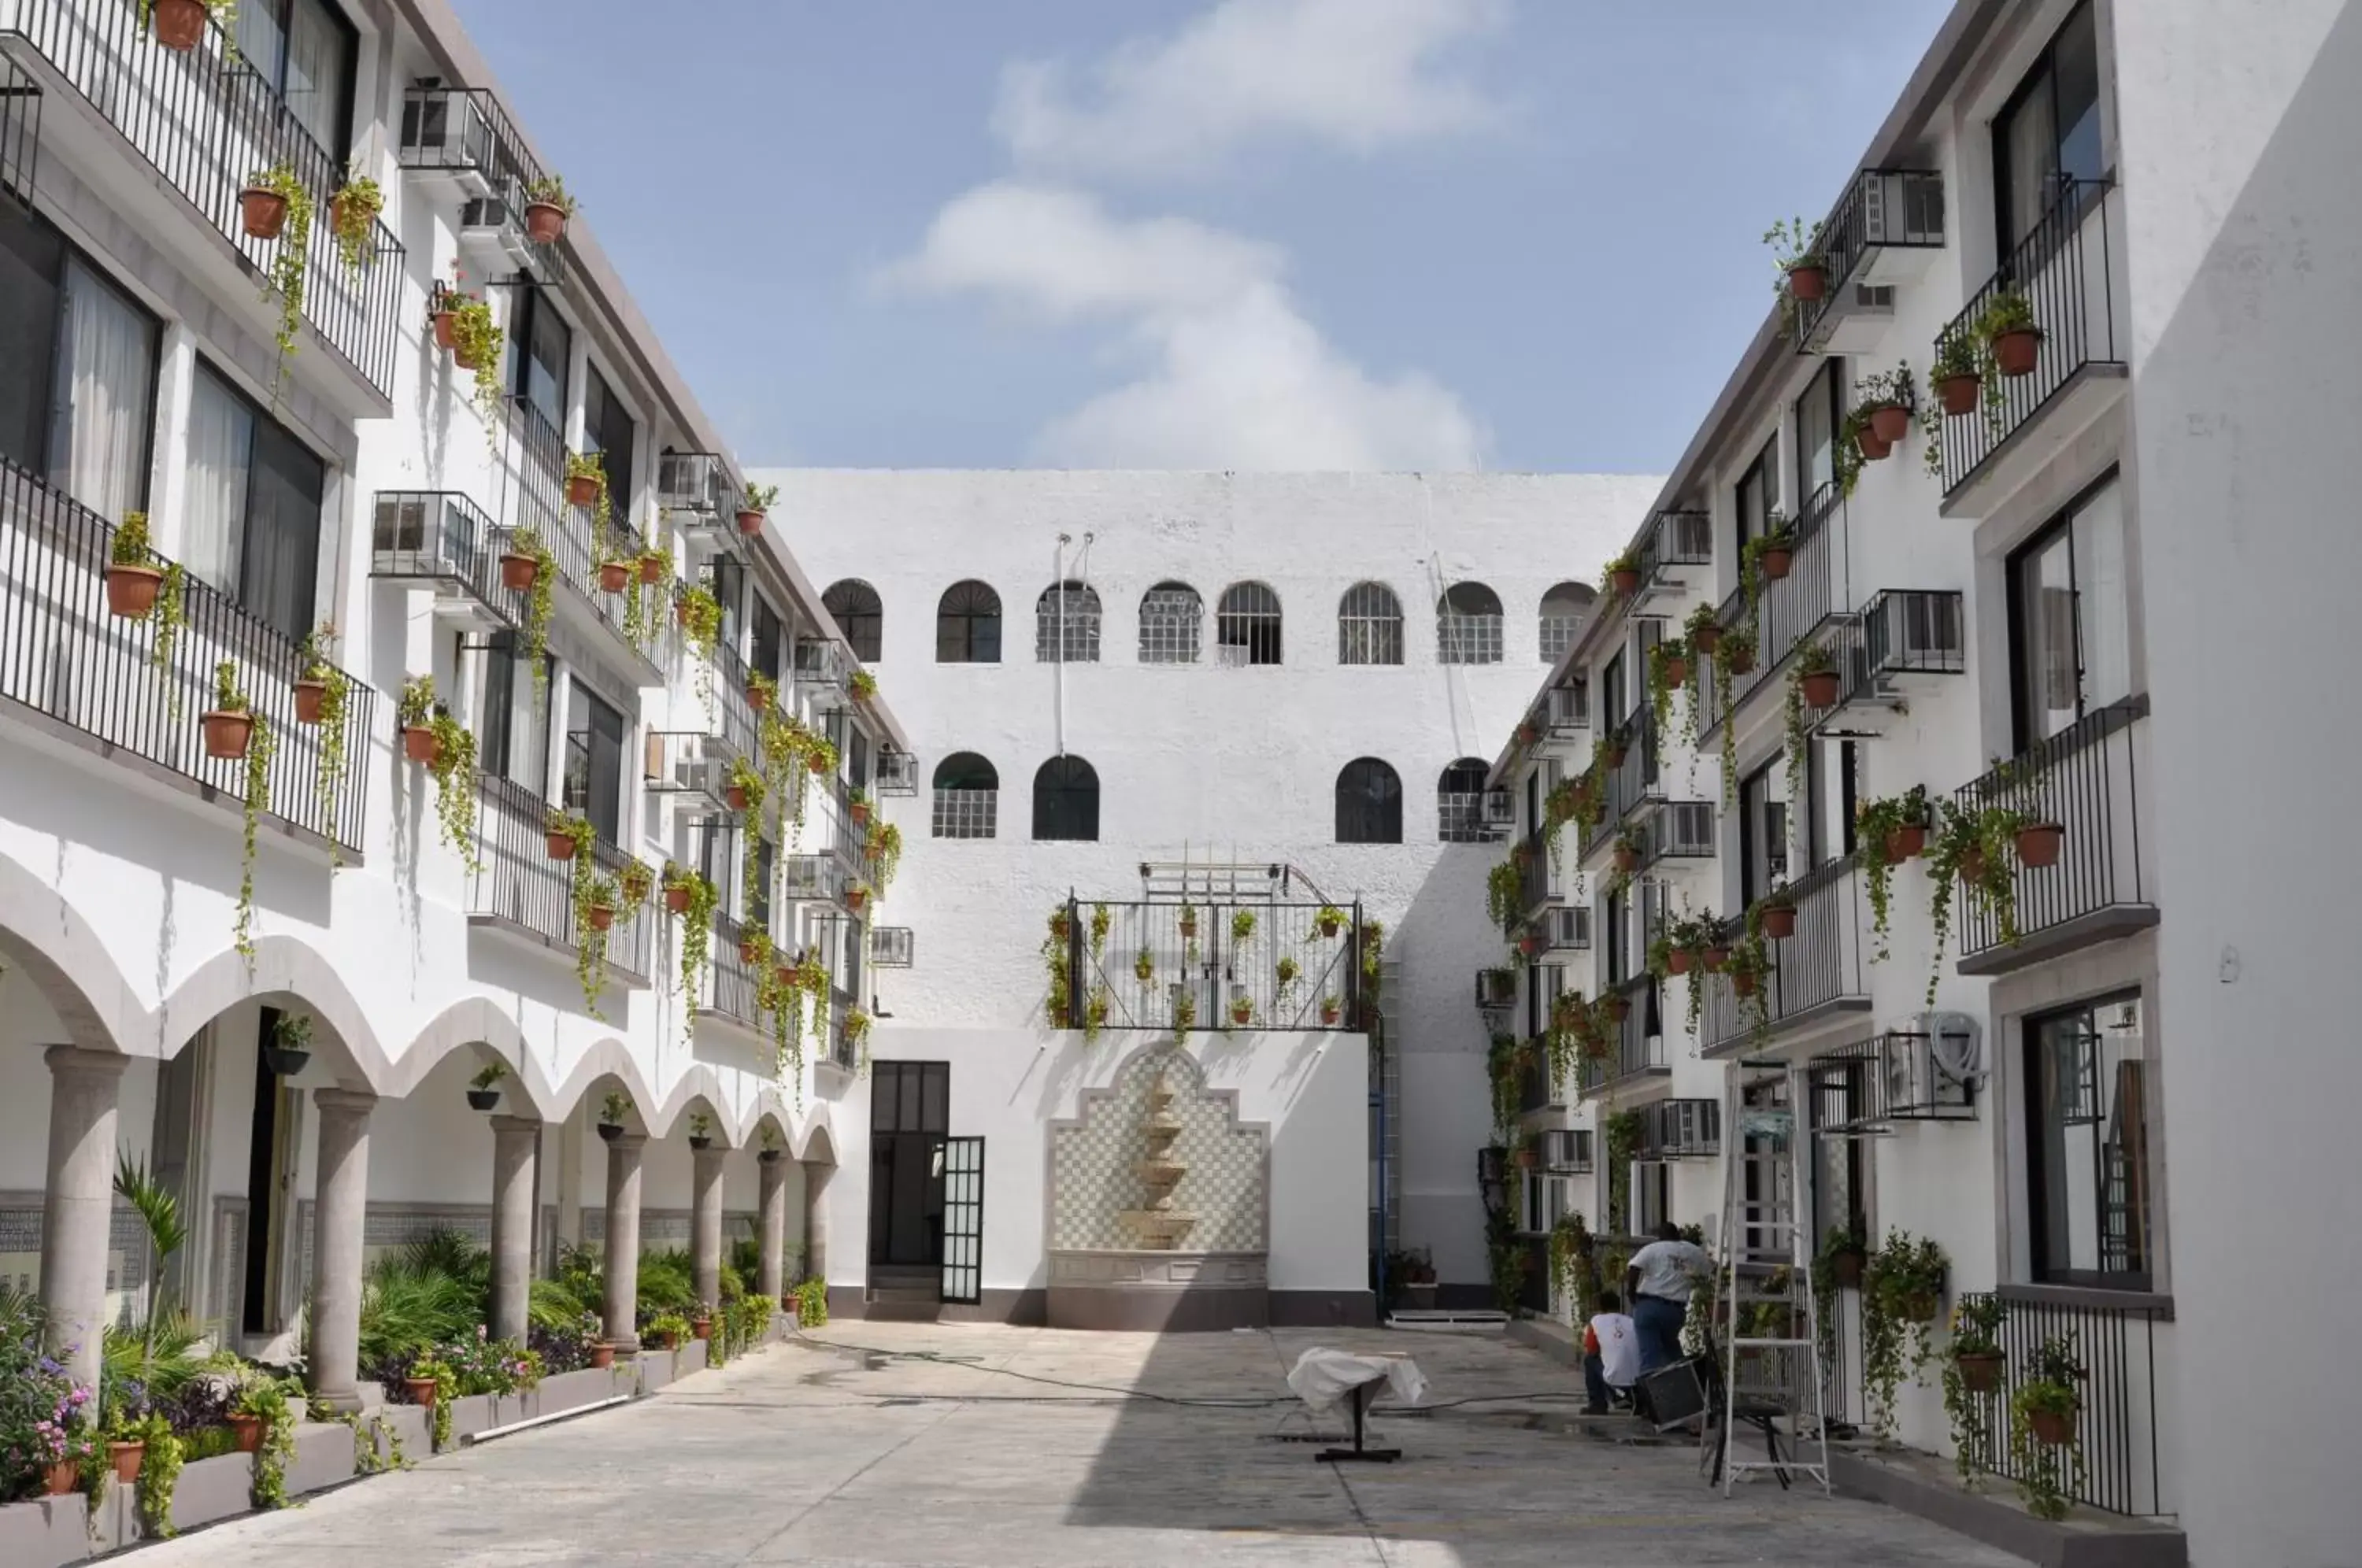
(1323,1378)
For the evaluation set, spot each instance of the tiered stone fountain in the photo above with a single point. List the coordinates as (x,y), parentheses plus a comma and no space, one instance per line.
(1157,1225)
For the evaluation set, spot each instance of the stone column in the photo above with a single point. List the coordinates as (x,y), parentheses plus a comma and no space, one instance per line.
(816,1179)
(623,1243)
(339,1212)
(78,1212)
(516,1146)
(705,1225)
(771,1277)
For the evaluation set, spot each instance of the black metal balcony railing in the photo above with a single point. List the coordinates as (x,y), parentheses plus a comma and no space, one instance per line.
(65,655)
(2115,1428)
(1567,1150)
(1637,1045)
(1902,632)
(1816,971)
(2086,780)
(20,130)
(1680,1129)
(1676,539)
(811,878)
(1631,783)
(730,717)
(464,130)
(1788,611)
(695,482)
(822,662)
(1569,708)
(892,947)
(520,887)
(1868,1086)
(1286,972)
(898,773)
(1683,830)
(1882,209)
(442,538)
(733,984)
(2063,269)
(1538,878)
(534,478)
(205,121)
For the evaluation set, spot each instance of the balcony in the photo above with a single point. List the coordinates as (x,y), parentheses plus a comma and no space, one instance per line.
(1677,545)
(696,490)
(1680,1129)
(1566,712)
(2086,778)
(1636,1047)
(1535,1090)
(731,983)
(1885,231)
(897,773)
(20,130)
(1539,884)
(1815,982)
(1567,928)
(1683,830)
(1787,612)
(70,667)
(892,947)
(1902,643)
(811,878)
(534,479)
(1902,1075)
(441,540)
(822,663)
(521,892)
(459,143)
(200,122)
(2116,1425)
(1496,990)
(1566,1150)
(1288,972)
(2065,270)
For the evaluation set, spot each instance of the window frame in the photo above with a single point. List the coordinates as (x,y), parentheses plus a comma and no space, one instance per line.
(1468,636)
(526,318)
(340,147)
(863,626)
(969,622)
(1828,383)
(1169,634)
(958,814)
(1460,814)
(1369,628)
(2059,527)
(581,699)
(601,408)
(1260,630)
(1068,806)
(1764,476)
(2041,76)
(1565,638)
(1068,617)
(259,419)
(2038,1175)
(1377,809)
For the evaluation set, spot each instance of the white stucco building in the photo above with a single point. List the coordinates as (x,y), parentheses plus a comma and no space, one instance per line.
(2112,1117)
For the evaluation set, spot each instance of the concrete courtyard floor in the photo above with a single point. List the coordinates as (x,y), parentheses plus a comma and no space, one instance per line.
(967,1445)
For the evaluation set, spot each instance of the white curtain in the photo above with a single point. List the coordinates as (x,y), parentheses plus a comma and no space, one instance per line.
(315,74)
(106,391)
(221,444)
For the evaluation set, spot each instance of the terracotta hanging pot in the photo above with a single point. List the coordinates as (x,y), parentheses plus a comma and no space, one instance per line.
(1617,752)
(614,576)
(228,731)
(2056,1427)
(1677,670)
(1775,562)
(759,698)
(750,949)
(2016,353)
(1708,637)
(1677,962)
(1890,422)
(1742,658)
(853,899)
(1626,580)
(1780,921)
(1328,1012)
(602,1356)
(1807,282)
(2038,844)
(560,845)
(419,744)
(860,812)
(1627,859)
(1874,447)
(518,572)
(127,1458)
(676,900)
(1820,689)
(1713,958)
(1959,394)
(263,212)
(680,613)
(1980,1371)
(818,765)
(420,1391)
(1742,982)
(602,917)
(1845,1268)
(1972,865)
(734,797)
(131,590)
(652,567)
(1617,1007)
(311,696)
(750,523)
(248,1429)
(1529,945)
(581,490)
(180,24)
(545,222)
(444,338)
(1906,841)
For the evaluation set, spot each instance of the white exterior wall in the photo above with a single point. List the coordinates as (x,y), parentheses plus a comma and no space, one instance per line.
(1211,762)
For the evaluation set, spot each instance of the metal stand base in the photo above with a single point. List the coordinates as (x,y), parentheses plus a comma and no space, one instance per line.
(1361,1398)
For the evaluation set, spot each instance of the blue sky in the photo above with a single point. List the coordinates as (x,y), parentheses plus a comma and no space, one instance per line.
(1524,234)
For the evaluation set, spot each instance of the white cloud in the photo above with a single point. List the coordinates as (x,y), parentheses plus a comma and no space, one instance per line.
(1234,376)
(1358,75)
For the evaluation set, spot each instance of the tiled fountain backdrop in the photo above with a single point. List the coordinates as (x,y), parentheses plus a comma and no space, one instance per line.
(1091,1178)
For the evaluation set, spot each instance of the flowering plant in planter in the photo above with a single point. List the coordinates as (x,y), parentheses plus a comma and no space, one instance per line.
(586,480)
(862,684)
(352,213)
(1959,377)
(431,736)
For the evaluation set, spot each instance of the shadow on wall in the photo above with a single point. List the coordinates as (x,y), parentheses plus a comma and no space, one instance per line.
(1443,1112)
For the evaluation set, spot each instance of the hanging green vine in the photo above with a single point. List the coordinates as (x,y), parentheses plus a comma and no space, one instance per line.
(528,541)
(352,213)
(1623,1142)
(696,924)
(476,342)
(1777,536)
(1976,1328)
(1505,1059)
(2048,1474)
(335,695)
(1734,655)
(268,1398)
(1902,1293)
(159,1472)
(290,262)
(1813,659)
(1977,846)
(129,548)
(261,745)
(590,889)
(453,766)
(1880,828)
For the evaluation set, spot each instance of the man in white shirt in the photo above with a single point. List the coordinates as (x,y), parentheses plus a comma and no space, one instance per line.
(1659,1280)
(1611,1355)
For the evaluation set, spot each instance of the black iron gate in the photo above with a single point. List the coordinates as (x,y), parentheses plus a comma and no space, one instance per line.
(963,1220)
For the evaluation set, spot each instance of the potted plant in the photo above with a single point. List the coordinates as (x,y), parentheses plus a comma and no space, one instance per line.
(1329,920)
(352,215)
(547,208)
(614,576)
(670,1329)
(264,200)
(700,1136)
(857,1027)
(229,723)
(586,482)
(702,1325)
(1888,398)
(289,1051)
(1771,552)
(1958,377)
(1631,846)
(1704,630)
(1144,967)
(1623,574)
(862,685)
(2038,844)
(1843,1251)
(1775,914)
(820,757)
(567,835)
(856,893)
(1188,922)
(1614,1007)
(753,506)
(414,712)
(181,24)
(2051,1397)
(1745,966)
(1243,926)
(1804,269)
(2011,333)
(521,563)
(768,1154)
(133,577)
(599,898)
(1418,1281)
(682,887)
(633,884)
(612,1111)
(1331,1010)
(761,691)
(1816,675)
(484,1088)
(603,1355)
(1976,1342)
(652,567)
(1241,1009)
(419,1382)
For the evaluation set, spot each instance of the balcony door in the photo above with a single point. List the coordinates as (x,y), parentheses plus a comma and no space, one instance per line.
(2070,617)
(77,371)
(594,762)
(255,499)
(909,1119)
(2047,137)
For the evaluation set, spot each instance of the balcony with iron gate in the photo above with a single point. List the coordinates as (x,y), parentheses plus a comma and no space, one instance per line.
(1496,991)
(1676,554)
(731,983)
(1873,1086)
(1789,610)
(1566,712)
(20,130)
(442,541)
(1633,1051)
(1902,646)
(628,624)
(1885,232)
(823,663)
(169,139)
(896,774)
(518,891)
(1540,886)
(1566,928)
(72,668)
(2065,272)
(460,147)
(698,494)
(1816,981)
(2086,781)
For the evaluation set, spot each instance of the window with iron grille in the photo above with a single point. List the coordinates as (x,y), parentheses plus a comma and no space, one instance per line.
(1066,800)
(967,796)
(1564,610)
(1066,624)
(860,613)
(1369,626)
(967,625)
(1369,803)
(1246,624)
(1460,816)
(1468,624)
(1171,616)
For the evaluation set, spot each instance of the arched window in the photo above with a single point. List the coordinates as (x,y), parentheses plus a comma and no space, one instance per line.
(967,625)
(1468,624)
(1066,800)
(1246,626)
(1369,803)
(860,614)
(1369,626)
(1459,804)
(1564,610)
(967,796)
(1066,624)
(1171,616)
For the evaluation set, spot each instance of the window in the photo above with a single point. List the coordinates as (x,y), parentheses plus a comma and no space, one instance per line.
(2049,134)
(515,744)
(1763,831)
(967,625)
(1564,610)
(725,579)
(1171,616)
(1468,625)
(1652,1195)
(2088,1156)
(1067,624)
(1246,626)
(1370,625)
(541,352)
(1820,415)
(303,50)
(967,796)
(608,435)
(1066,800)
(2070,639)
(860,615)
(769,644)
(1369,803)
(1460,802)
(1757,498)
(594,762)
(78,402)
(1614,691)
(253,520)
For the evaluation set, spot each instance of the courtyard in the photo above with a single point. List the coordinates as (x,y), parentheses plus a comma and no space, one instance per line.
(880,1443)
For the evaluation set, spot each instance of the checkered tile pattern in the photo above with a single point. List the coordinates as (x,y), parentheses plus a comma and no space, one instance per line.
(1091,1178)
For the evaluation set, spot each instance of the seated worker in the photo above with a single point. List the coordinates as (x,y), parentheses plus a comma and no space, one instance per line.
(1611,1355)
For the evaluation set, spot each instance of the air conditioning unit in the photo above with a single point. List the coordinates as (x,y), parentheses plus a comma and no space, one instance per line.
(706,774)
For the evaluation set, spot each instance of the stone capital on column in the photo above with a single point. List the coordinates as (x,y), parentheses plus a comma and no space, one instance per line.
(513,1126)
(344,1103)
(78,1062)
(626,1143)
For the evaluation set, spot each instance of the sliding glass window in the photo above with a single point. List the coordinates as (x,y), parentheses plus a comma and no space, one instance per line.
(252,529)
(77,371)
